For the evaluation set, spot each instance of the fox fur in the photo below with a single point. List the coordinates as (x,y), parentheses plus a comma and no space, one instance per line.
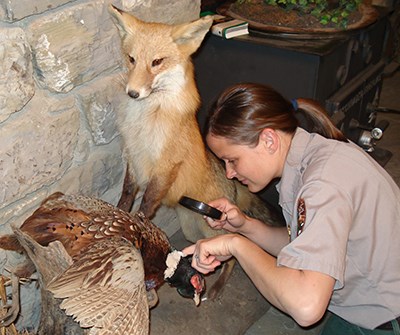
(162,139)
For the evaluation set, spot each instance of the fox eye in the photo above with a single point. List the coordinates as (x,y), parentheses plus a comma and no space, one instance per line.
(131,59)
(157,62)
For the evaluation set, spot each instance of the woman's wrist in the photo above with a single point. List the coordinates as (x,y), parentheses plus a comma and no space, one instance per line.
(236,245)
(249,226)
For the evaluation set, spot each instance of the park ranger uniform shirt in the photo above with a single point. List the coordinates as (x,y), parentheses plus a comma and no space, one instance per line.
(343,216)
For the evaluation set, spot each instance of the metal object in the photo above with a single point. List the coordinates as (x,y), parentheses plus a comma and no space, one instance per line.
(201,208)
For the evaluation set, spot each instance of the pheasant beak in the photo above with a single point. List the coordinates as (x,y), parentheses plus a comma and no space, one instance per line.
(199,286)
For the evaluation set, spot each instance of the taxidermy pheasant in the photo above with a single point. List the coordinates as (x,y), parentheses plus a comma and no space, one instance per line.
(104,286)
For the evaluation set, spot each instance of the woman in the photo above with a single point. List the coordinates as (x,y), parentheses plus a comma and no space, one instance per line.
(341,248)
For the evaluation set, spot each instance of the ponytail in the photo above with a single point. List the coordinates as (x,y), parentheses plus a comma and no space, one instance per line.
(317,119)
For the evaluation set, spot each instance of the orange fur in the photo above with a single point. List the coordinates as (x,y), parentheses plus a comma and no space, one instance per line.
(161,134)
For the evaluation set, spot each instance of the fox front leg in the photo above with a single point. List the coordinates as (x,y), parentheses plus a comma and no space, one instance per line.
(157,189)
(129,190)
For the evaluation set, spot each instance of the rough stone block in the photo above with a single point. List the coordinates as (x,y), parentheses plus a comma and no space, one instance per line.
(98,103)
(73,45)
(101,176)
(37,147)
(16,80)
(14,10)
(165,11)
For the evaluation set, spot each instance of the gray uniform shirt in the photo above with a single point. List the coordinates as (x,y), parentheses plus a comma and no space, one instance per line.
(343,212)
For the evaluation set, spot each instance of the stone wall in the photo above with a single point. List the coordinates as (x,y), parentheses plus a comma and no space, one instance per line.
(60,71)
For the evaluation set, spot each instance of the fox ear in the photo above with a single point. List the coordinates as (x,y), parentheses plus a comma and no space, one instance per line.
(190,35)
(124,21)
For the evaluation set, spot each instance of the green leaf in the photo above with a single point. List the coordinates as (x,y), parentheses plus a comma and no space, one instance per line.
(319,9)
(345,14)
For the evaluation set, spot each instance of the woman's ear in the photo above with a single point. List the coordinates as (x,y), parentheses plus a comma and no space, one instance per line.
(270,139)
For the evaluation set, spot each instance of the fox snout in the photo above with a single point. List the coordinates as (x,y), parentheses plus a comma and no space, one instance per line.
(133,94)
(138,94)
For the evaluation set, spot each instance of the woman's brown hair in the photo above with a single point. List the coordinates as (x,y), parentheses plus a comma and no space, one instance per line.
(242,111)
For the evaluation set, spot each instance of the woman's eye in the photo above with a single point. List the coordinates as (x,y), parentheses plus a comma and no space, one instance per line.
(157,62)
(131,59)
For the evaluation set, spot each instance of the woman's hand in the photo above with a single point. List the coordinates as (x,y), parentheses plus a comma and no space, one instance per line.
(208,254)
(232,218)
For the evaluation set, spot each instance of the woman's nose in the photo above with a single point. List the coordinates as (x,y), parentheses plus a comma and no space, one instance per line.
(229,172)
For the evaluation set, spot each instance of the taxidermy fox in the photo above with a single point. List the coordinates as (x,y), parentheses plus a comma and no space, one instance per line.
(164,147)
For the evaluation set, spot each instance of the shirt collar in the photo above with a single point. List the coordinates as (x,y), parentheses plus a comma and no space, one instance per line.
(293,168)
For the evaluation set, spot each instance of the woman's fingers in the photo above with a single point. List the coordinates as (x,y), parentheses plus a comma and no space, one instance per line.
(209,253)
(214,224)
(189,250)
(205,264)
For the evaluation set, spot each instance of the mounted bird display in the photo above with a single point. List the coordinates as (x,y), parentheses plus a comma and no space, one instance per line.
(116,257)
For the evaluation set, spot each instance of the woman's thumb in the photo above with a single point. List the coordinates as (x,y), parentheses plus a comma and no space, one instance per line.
(189,250)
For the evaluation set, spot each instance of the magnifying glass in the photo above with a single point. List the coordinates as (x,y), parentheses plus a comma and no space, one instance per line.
(200,207)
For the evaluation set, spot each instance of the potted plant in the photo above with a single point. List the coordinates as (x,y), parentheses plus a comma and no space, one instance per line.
(304,15)
(334,13)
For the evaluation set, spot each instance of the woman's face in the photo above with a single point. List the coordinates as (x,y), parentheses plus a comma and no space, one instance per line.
(254,167)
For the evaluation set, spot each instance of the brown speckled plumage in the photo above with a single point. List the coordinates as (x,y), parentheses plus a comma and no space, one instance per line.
(101,261)
(115,256)
(78,221)
(104,289)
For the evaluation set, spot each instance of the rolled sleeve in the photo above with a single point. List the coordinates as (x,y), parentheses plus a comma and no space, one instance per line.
(321,246)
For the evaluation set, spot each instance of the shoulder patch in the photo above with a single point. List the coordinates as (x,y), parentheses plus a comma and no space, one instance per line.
(301,215)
